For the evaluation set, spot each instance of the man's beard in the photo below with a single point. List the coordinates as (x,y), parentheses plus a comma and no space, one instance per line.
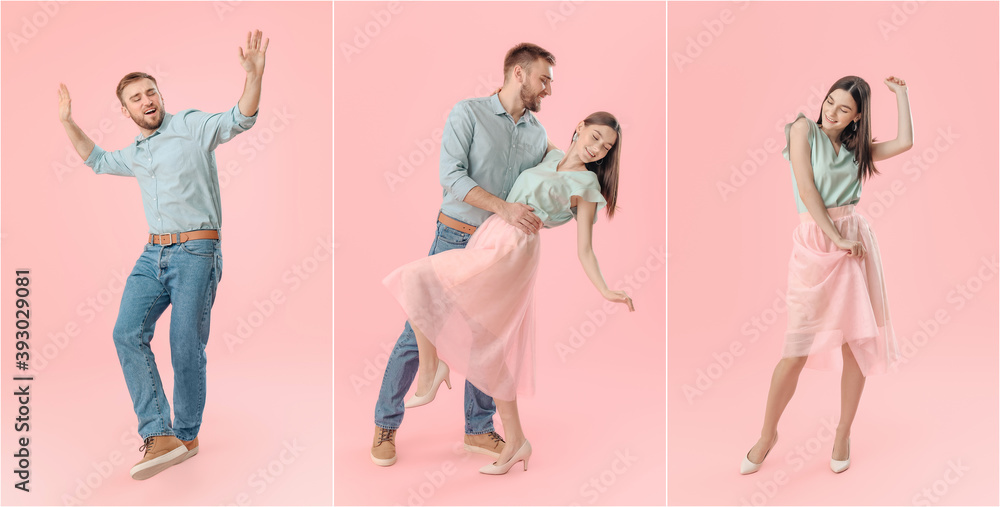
(531,101)
(148,123)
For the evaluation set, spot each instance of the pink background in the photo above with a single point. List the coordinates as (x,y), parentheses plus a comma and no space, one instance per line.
(754,68)
(606,398)
(266,430)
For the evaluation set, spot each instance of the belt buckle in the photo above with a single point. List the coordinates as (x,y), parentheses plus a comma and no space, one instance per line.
(170,239)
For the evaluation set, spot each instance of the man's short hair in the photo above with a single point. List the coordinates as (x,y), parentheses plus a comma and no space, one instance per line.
(130,77)
(524,54)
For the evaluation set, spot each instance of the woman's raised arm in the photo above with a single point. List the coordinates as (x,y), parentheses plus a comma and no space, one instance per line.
(904,130)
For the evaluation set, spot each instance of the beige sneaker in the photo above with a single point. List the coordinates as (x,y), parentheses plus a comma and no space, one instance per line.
(384,447)
(490,444)
(162,452)
(192,448)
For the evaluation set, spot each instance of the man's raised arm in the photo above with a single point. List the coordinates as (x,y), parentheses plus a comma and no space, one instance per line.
(100,161)
(81,142)
(252,61)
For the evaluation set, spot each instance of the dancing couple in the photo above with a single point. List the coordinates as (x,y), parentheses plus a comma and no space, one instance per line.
(470,304)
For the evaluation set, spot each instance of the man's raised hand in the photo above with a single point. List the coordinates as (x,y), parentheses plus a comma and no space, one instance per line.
(64,104)
(81,142)
(252,59)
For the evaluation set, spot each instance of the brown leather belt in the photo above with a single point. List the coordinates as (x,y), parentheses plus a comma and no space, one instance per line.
(181,237)
(455,224)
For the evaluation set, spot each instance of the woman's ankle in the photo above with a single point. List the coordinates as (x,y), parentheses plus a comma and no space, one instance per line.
(428,366)
(514,442)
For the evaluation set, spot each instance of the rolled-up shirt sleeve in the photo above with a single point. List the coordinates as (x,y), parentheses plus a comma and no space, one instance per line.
(109,162)
(455,143)
(218,128)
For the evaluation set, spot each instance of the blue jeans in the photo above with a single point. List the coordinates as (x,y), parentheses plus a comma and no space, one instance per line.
(186,276)
(403,362)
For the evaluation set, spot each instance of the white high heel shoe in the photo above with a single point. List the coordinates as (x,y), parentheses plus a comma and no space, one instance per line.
(749,467)
(440,376)
(522,454)
(839,466)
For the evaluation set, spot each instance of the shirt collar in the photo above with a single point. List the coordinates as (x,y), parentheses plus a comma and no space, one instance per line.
(163,128)
(498,109)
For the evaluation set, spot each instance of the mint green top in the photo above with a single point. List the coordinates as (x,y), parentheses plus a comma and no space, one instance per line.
(835,174)
(549,191)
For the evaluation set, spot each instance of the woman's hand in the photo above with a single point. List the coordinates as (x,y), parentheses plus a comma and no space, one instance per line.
(895,84)
(619,296)
(854,248)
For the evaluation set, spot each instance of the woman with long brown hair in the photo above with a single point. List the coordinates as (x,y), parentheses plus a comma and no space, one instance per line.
(836,293)
(473,309)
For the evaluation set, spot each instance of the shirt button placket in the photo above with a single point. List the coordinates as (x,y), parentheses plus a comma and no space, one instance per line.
(513,150)
(514,159)
(149,160)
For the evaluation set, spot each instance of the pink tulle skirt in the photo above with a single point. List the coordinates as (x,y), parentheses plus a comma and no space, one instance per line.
(476,305)
(835,299)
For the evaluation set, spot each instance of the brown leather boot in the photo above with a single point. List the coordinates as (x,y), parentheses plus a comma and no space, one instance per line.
(162,452)
(384,447)
(490,444)
(192,448)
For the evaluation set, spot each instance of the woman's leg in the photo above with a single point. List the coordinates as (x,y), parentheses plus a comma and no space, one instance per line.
(852,383)
(427,353)
(511,429)
(783,382)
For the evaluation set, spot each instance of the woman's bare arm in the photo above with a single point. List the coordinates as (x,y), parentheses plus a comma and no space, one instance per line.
(585,251)
(904,128)
(799,154)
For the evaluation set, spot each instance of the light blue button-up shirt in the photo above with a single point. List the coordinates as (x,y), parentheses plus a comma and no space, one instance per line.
(482,146)
(175,168)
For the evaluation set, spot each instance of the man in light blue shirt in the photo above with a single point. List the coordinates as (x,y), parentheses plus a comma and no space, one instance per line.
(487,142)
(173,161)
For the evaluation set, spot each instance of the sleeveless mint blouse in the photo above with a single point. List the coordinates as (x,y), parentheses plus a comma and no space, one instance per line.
(549,191)
(835,174)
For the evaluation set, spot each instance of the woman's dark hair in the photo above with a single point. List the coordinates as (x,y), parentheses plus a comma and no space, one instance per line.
(859,142)
(606,169)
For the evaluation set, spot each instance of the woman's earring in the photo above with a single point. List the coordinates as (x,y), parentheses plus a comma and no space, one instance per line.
(574,136)
(855,126)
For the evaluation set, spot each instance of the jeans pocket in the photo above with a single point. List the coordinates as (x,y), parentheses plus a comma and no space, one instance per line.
(218,266)
(200,247)
(452,238)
